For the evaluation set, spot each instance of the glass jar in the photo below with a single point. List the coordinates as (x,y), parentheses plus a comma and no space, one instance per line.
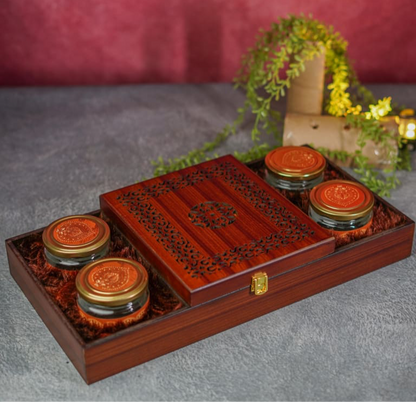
(113,290)
(74,241)
(341,206)
(294,168)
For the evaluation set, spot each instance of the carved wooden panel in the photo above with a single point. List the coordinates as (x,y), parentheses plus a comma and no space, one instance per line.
(208,227)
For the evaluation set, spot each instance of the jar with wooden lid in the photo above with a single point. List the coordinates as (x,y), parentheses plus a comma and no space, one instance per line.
(294,168)
(341,206)
(74,241)
(113,290)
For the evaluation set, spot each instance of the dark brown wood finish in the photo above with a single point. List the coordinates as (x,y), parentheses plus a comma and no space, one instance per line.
(65,334)
(147,340)
(209,227)
(195,323)
(140,343)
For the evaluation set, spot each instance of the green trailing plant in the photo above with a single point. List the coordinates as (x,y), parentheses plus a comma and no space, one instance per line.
(267,71)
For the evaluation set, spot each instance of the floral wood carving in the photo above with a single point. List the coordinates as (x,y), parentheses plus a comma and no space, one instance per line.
(213,215)
(288,228)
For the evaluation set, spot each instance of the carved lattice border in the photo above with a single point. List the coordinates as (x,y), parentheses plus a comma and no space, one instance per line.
(139,204)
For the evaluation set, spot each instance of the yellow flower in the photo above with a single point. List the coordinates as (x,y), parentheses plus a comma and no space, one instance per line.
(382,108)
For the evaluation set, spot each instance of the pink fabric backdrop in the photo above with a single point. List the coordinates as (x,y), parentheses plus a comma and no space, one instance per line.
(77,42)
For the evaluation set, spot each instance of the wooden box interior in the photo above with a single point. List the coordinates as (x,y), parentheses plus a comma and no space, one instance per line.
(100,352)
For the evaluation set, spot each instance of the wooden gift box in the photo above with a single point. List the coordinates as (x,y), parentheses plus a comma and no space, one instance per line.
(208,228)
(215,309)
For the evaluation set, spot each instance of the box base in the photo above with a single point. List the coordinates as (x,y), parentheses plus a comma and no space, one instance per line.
(97,355)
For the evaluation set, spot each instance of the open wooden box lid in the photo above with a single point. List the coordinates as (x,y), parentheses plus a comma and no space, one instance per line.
(209,228)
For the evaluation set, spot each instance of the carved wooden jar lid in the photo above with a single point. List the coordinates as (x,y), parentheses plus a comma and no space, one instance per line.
(295,163)
(341,200)
(76,236)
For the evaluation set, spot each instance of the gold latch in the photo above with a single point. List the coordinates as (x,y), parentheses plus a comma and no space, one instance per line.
(259,283)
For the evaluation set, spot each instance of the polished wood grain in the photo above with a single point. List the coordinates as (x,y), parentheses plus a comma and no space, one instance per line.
(209,227)
(147,340)
(138,345)
(65,334)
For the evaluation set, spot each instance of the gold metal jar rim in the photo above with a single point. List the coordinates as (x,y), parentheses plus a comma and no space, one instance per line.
(76,236)
(112,281)
(294,163)
(341,200)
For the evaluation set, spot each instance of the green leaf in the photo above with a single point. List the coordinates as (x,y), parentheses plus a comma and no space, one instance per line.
(287,45)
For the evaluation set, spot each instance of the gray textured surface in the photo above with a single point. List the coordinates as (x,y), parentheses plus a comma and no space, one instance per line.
(61,148)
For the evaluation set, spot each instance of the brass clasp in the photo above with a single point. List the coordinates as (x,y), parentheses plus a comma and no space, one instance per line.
(259,283)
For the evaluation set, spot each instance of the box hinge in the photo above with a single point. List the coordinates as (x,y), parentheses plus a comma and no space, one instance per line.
(259,283)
